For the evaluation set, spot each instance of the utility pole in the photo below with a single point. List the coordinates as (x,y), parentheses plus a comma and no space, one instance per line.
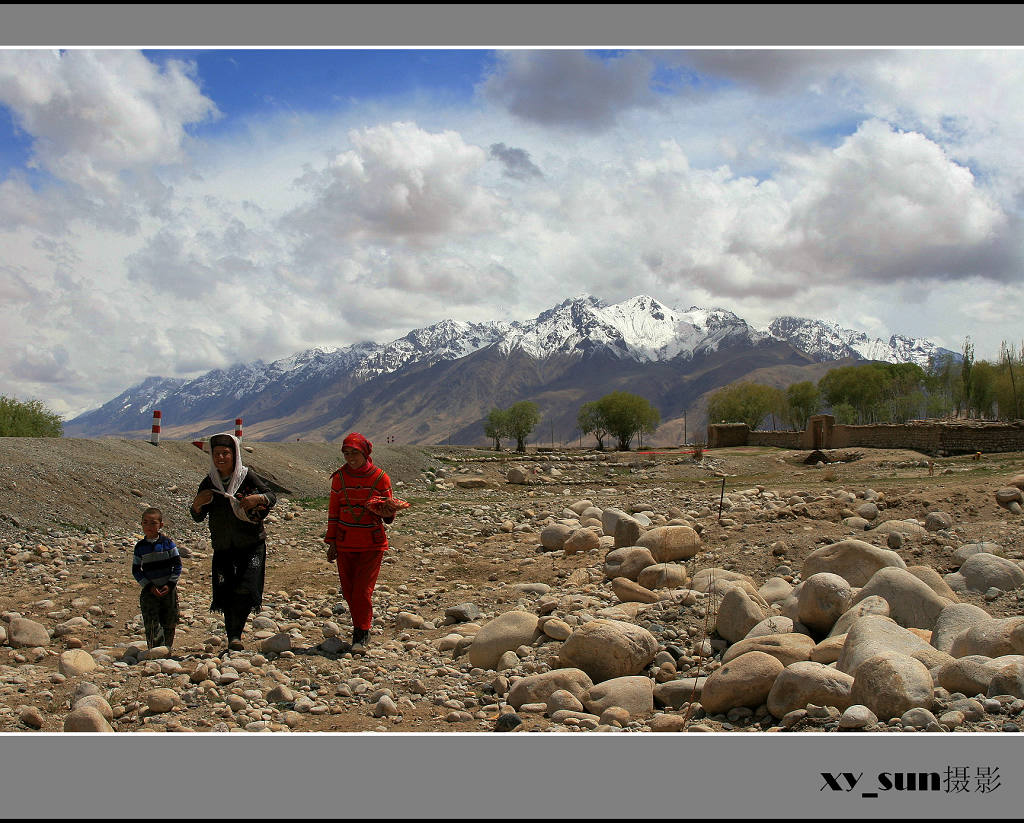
(684,427)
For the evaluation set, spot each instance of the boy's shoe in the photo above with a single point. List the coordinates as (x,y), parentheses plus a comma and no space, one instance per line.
(236,644)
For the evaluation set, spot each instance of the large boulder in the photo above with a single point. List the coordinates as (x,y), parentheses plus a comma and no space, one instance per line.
(982,571)
(891,683)
(912,603)
(668,543)
(704,579)
(97,702)
(75,662)
(675,693)
(776,624)
(902,527)
(610,518)
(805,682)
(159,701)
(606,649)
(869,605)
(991,638)
(581,540)
(745,681)
(635,694)
(937,521)
(504,633)
(953,621)
(537,688)
(775,590)
(853,560)
(823,599)
(737,615)
(933,580)
(629,592)
(627,562)
(27,634)
(553,537)
(663,576)
(86,719)
(872,635)
(1008,679)
(788,648)
(968,675)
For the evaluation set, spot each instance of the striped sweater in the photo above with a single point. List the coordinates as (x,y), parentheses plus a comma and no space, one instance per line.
(350,525)
(156,562)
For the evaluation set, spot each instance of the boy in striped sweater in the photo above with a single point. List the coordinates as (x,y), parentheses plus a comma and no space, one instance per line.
(156,564)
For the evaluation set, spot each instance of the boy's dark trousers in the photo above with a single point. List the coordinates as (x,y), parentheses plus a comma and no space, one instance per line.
(160,616)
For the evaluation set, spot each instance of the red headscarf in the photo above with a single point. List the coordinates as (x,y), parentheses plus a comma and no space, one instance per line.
(357,441)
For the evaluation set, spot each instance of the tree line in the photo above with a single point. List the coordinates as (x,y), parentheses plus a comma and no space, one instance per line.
(620,415)
(28,419)
(949,387)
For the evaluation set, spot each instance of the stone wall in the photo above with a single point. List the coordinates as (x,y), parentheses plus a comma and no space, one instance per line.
(927,437)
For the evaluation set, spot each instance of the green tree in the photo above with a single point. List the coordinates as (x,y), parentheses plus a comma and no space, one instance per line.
(591,421)
(942,385)
(845,414)
(496,426)
(802,400)
(523,417)
(742,402)
(983,389)
(966,374)
(863,387)
(1009,402)
(625,415)
(28,419)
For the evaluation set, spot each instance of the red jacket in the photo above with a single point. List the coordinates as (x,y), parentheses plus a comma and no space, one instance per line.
(350,525)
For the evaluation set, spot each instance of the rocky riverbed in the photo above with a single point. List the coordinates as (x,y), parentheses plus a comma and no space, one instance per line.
(562,592)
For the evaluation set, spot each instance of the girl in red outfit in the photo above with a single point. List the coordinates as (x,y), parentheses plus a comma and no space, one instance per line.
(355,535)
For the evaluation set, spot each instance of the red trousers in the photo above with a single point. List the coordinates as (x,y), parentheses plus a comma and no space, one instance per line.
(358,574)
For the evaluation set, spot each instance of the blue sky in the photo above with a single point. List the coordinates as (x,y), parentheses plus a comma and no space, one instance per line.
(168,212)
(247,82)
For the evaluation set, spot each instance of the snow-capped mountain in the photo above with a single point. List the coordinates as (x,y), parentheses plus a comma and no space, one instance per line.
(637,334)
(640,328)
(825,341)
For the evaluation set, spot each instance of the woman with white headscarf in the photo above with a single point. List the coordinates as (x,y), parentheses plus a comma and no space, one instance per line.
(236,500)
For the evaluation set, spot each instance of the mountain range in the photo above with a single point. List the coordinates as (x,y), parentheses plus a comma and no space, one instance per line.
(438,383)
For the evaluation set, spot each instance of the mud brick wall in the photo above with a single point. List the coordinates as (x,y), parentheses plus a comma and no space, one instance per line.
(723,435)
(930,438)
(781,440)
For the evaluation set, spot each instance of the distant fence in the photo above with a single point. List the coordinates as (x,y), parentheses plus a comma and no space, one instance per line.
(930,437)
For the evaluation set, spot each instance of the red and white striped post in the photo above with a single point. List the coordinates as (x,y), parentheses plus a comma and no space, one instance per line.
(238,427)
(155,436)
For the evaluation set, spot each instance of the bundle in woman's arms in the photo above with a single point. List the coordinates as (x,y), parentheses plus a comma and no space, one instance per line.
(385,506)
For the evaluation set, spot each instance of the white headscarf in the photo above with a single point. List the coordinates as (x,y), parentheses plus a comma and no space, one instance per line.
(234,481)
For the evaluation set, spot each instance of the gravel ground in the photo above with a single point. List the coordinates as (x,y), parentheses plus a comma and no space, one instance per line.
(68,514)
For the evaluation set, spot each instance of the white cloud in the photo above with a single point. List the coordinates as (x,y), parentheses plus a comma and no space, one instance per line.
(570,88)
(95,114)
(889,205)
(760,197)
(397,183)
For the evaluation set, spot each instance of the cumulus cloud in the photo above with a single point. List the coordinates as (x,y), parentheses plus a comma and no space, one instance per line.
(516,163)
(95,114)
(398,183)
(42,365)
(891,205)
(570,88)
(758,195)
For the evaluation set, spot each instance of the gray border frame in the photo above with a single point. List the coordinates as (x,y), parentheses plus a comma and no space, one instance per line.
(516,775)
